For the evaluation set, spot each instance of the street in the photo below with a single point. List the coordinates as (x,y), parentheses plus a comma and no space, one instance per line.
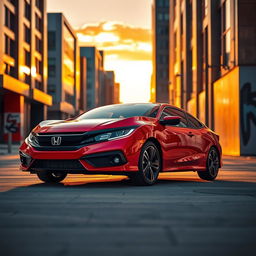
(107,215)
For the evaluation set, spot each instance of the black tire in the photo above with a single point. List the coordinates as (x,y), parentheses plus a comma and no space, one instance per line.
(149,165)
(212,166)
(51,177)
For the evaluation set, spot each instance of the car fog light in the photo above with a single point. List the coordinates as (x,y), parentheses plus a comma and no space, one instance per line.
(116,160)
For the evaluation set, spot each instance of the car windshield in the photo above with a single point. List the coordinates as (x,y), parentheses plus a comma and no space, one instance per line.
(121,111)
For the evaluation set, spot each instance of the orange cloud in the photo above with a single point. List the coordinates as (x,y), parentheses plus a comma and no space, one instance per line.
(123,41)
(127,51)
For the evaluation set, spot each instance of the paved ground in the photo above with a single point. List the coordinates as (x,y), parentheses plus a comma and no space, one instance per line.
(100,215)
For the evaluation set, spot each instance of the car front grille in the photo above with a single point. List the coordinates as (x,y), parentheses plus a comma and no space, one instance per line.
(69,141)
(57,165)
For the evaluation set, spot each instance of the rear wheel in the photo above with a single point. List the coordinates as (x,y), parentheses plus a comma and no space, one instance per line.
(212,166)
(51,177)
(149,165)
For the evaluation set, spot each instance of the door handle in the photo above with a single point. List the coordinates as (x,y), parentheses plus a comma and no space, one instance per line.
(190,134)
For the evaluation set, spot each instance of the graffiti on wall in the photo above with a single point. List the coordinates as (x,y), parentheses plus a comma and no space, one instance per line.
(247,111)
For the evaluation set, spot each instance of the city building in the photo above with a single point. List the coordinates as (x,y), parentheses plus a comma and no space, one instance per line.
(102,89)
(83,83)
(109,85)
(160,26)
(63,68)
(23,67)
(95,81)
(213,67)
(117,93)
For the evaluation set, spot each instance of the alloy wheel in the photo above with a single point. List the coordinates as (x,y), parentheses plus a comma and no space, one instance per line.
(150,163)
(213,162)
(212,166)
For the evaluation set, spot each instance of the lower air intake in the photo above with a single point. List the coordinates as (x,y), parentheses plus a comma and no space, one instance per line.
(57,165)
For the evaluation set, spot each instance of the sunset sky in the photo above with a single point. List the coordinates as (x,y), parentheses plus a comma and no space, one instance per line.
(123,30)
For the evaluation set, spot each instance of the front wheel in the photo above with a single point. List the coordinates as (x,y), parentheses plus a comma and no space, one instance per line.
(149,165)
(51,177)
(212,166)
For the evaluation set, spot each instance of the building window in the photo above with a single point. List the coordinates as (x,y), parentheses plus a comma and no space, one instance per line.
(38,44)
(181,24)
(160,3)
(27,58)
(9,46)
(38,23)
(163,59)
(27,34)
(204,58)
(51,89)
(226,32)
(9,70)
(190,20)
(12,2)
(174,9)
(39,85)
(160,16)
(51,67)
(39,4)
(51,40)
(39,66)
(9,20)
(27,78)
(69,98)
(163,30)
(163,44)
(27,10)
(205,7)
(165,74)
(175,47)
(181,32)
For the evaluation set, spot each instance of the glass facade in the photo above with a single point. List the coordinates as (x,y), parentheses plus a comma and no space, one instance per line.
(226,32)
(51,40)
(68,57)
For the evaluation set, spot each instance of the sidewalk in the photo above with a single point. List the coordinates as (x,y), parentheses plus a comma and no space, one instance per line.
(4,149)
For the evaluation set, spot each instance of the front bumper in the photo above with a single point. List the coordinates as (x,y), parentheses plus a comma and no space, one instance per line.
(116,156)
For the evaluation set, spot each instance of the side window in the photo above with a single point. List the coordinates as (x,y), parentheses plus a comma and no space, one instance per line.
(169,111)
(153,112)
(193,122)
(166,112)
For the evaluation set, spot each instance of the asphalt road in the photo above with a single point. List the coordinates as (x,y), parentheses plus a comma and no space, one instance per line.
(106,215)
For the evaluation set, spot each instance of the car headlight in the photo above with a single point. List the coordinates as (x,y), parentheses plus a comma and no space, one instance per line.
(31,139)
(111,135)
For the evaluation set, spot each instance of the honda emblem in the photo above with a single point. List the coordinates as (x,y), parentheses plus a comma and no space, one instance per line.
(56,141)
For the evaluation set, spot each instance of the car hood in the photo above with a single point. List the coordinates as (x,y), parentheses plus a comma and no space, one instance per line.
(76,125)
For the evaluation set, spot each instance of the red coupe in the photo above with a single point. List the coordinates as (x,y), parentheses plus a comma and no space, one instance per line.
(138,140)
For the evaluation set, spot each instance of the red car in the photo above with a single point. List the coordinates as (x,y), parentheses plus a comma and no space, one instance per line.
(138,140)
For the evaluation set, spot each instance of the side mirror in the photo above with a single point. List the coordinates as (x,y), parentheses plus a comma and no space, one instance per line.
(170,120)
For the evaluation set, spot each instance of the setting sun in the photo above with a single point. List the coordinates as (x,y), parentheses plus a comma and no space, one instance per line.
(127,51)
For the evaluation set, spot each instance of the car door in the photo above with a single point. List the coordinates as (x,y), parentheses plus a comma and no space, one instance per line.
(177,141)
(201,140)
